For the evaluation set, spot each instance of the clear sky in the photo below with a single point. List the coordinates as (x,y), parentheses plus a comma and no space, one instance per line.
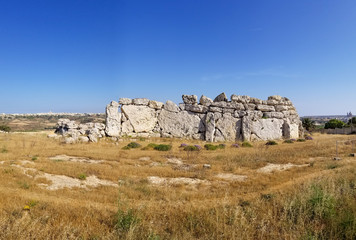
(78,55)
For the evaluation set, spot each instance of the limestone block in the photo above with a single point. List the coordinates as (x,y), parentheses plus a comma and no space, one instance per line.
(265,108)
(281,108)
(267,129)
(209,127)
(221,98)
(229,127)
(190,99)
(180,124)
(113,120)
(291,130)
(273,115)
(171,106)
(142,118)
(239,98)
(155,104)
(215,109)
(140,101)
(125,101)
(205,101)
(196,108)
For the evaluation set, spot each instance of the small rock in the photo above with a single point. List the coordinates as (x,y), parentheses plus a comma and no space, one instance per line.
(337,158)
(144,158)
(207,166)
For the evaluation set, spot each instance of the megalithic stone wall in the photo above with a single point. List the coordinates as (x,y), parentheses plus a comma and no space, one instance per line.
(241,118)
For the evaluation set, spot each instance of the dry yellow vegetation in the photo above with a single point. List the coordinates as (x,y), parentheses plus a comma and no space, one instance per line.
(148,194)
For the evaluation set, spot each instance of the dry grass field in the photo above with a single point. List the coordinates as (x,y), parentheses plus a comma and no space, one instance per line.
(50,190)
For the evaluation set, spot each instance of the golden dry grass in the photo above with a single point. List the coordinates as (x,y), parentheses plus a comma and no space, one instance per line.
(254,209)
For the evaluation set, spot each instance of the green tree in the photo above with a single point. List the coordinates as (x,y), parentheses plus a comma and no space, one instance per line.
(334,123)
(308,124)
(352,121)
(5,128)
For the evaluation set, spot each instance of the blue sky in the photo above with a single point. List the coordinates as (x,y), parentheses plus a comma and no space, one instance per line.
(78,55)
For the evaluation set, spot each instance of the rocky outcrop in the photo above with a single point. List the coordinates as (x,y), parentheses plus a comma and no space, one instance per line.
(241,118)
(73,132)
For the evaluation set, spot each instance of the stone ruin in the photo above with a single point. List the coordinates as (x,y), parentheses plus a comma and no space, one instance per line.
(243,118)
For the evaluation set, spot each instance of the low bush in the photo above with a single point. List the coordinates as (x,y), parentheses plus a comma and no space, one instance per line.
(5,128)
(214,147)
(150,146)
(132,145)
(301,140)
(271,143)
(163,147)
(288,141)
(210,146)
(246,144)
(190,148)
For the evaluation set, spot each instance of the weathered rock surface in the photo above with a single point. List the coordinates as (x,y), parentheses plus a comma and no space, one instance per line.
(190,99)
(113,120)
(242,118)
(171,106)
(181,124)
(142,118)
(205,101)
(221,98)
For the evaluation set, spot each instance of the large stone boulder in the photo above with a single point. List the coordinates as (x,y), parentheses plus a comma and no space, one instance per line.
(221,98)
(266,129)
(209,127)
(142,118)
(180,124)
(171,106)
(291,130)
(140,101)
(205,101)
(190,99)
(113,120)
(229,128)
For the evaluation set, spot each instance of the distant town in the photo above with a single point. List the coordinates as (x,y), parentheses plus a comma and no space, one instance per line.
(321,120)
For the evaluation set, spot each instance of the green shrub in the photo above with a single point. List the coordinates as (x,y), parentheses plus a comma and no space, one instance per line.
(222,146)
(190,148)
(288,141)
(246,144)
(5,128)
(150,146)
(132,145)
(271,143)
(163,147)
(82,176)
(210,146)
(301,140)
